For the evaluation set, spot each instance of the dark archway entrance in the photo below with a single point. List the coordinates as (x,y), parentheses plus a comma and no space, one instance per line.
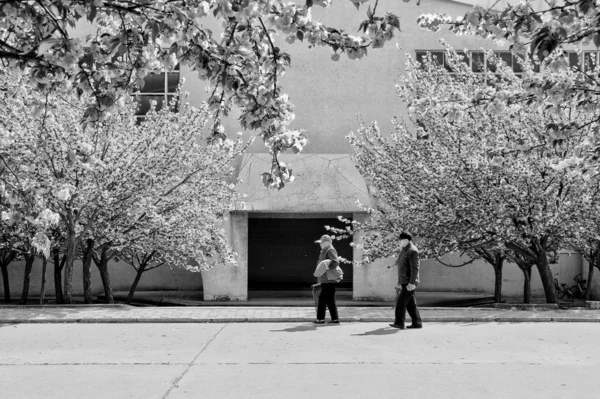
(282,254)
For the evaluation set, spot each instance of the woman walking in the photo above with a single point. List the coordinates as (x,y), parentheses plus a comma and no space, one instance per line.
(328,280)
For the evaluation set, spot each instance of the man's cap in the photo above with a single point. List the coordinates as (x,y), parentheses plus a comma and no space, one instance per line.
(405,235)
(324,238)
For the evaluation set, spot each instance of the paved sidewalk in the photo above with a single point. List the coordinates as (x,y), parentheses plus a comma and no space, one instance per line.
(219,314)
(295,360)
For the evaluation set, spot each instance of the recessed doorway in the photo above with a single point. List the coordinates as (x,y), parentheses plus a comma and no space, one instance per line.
(282,254)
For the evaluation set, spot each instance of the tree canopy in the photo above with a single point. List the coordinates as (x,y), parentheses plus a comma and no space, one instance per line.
(144,185)
(471,178)
(244,66)
(544,34)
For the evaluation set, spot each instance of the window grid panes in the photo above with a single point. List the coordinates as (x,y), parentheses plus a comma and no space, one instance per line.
(160,87)
(478,61)
(585,61)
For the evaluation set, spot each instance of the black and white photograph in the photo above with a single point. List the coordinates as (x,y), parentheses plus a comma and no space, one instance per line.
(290,199)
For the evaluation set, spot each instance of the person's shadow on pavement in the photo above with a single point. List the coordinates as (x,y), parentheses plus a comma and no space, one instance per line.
(299,328)
(379,331)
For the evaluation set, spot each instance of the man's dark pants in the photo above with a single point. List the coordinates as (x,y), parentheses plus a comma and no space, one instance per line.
(407,302)
(327,299)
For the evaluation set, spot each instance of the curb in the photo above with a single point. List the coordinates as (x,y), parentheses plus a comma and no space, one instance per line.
(73,306)
(299,320)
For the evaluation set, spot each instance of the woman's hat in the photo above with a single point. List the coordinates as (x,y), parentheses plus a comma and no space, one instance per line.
(405,235)
(324,238)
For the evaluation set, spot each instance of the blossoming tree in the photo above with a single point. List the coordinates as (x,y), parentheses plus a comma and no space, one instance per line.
(585,230)
(131,38)
(543,31)
(117,184)
(173,193)
(472,178)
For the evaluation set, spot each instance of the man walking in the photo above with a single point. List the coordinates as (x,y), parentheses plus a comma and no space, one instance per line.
(408,279)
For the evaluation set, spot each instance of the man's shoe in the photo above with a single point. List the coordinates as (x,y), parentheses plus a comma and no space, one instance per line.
(415,326)
(397,326)
(319,322)
(334,322)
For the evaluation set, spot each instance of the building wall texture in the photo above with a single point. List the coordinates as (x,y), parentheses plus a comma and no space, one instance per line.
(377,281)
(329,96)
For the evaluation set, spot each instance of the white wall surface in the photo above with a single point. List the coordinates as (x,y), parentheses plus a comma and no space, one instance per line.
(378,281)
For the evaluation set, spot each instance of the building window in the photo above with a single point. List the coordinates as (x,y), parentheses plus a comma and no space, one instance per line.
(586,63)
(160,87)
(478,60)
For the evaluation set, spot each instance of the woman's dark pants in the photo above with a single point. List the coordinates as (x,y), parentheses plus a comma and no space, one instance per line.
(327,299)
(407,302)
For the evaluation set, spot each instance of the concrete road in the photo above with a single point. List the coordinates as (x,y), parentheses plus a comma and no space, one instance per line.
(299,360)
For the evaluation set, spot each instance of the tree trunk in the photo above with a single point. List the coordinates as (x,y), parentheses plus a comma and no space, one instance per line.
(543,267)
(70,253)
(58,266)
(141,269)
(526,284)
(590,276)
(87,271)
(4,267)
(498,264)
(29,259)
(525,267)
(103,269)
(43,288)
(6,258)
(595,262)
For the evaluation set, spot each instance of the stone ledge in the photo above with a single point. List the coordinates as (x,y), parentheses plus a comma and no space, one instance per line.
(574,320)
(592,304)
(525,306)
(71,306)
(373,299)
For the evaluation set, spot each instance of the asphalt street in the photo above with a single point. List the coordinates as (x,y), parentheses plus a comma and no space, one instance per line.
(299,360)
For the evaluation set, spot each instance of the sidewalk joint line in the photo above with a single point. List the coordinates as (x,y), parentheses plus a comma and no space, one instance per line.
(175,382)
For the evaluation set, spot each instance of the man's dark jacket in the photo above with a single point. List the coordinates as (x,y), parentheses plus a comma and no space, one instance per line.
(408,265)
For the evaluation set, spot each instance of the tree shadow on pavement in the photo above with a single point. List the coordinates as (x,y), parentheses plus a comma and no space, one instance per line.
(299,328)
(379,331)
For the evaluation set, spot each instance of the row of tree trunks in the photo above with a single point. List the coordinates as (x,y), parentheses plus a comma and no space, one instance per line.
(535,254)
(59,264)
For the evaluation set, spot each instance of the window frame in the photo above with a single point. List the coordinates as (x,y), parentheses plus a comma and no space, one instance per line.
(166,94)
(478,60)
